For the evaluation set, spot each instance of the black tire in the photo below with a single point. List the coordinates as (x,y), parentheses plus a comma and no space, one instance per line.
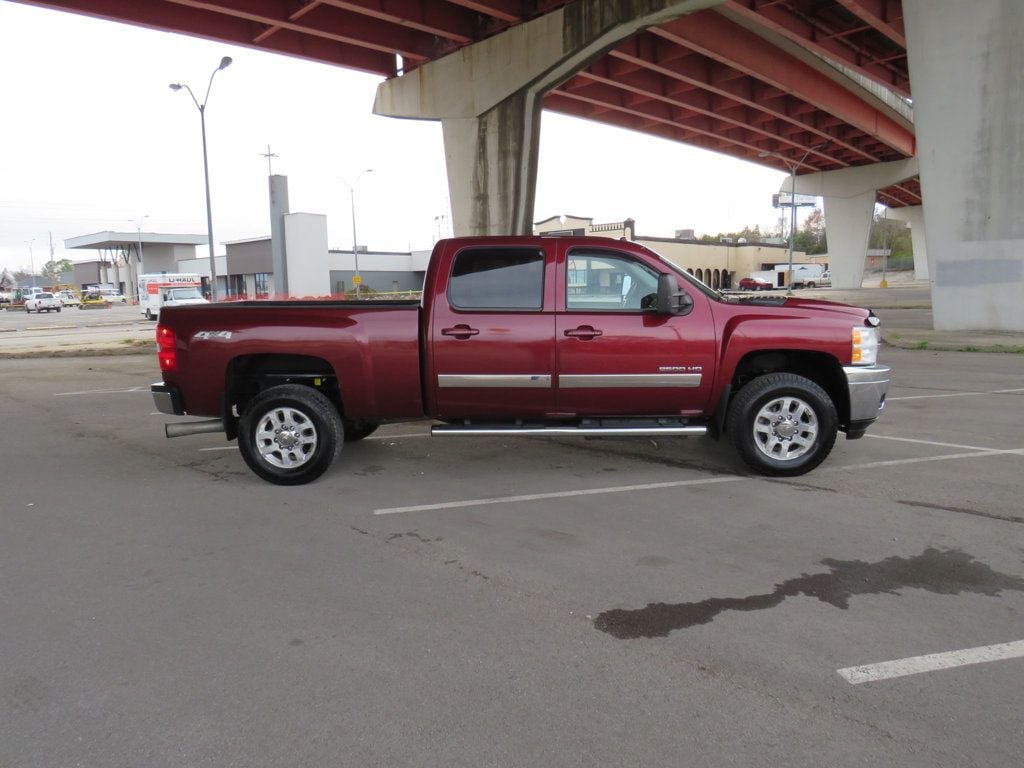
(58,309)
(149,315)
(782,424)
(310,425)
(358,430)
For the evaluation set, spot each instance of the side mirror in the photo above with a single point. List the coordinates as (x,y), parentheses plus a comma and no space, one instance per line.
(671,300)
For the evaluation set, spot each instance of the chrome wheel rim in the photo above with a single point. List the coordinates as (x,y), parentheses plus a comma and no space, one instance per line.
(286,438)
(786,428)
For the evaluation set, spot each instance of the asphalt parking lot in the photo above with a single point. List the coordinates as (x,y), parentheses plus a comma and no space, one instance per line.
(491,602)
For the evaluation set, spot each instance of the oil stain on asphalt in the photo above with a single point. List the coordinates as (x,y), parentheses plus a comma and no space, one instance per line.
(944,572)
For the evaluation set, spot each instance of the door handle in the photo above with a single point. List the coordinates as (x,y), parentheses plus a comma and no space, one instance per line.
(460,332)
(584,332)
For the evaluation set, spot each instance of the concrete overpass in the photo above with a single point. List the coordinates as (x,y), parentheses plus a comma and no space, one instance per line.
(822,86)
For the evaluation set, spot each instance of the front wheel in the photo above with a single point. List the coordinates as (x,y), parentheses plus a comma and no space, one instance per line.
(782,424)
(290,434)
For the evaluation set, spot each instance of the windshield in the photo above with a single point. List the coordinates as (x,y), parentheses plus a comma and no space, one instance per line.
(179,294)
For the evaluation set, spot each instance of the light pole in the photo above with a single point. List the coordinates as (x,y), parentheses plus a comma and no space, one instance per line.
(355,242)
(135,277)
(224,63)
(792,204)
(31,264)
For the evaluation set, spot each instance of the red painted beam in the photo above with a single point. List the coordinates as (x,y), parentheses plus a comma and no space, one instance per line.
(885,16)
(328,23)
(506,10)
(689,70)
(711,34)
(437,18)
(160,15)
(801,31)
(649,85)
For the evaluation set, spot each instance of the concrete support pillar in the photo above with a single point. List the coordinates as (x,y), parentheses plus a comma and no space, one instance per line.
(488,97)
(914,217)
(492,167)
(849,196)
(966,62)
(848,228)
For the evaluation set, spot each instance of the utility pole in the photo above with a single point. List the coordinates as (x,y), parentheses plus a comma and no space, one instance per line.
(268,154)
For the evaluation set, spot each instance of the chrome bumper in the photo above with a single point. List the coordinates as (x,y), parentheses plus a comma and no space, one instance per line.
(166,398)
(868,386)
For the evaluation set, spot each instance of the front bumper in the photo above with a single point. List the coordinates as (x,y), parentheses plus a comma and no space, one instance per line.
(167,398)
(868,386)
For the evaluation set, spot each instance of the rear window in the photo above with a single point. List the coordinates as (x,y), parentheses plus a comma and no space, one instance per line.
(497,279)
(44,296)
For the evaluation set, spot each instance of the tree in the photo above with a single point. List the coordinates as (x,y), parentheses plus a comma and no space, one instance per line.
(52,270)
(811,239)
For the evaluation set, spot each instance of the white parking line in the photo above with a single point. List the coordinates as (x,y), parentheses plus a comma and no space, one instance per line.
(102,391)
(932,662)
(932,442)
(554,495)
(955,394)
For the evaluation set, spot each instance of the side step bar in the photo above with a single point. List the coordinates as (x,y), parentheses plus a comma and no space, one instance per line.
(607,431)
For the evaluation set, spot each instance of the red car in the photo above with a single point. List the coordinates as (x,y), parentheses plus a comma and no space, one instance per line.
(754,284)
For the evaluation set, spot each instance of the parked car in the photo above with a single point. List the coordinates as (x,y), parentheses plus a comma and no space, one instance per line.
(69,299)
(754,284)
(42,301)
(114,297)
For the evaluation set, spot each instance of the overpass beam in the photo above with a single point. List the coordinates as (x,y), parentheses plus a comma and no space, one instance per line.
(965,63)
(488,97)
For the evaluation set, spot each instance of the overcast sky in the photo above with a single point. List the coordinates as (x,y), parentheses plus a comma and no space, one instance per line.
(92,138)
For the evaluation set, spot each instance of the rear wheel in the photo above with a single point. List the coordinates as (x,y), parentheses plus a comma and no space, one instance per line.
(782,424)
(290,434)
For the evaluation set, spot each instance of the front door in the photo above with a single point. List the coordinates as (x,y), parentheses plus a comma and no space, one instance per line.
(614,355)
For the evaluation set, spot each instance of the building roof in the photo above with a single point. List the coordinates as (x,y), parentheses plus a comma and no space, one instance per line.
(105,240)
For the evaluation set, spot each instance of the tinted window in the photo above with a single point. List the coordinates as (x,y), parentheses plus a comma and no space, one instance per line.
(506,278)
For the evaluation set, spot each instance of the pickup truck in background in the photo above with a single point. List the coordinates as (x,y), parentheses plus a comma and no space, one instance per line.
(526,336)
(43,301)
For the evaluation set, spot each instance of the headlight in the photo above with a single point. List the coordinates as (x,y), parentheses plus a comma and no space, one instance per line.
(865,345)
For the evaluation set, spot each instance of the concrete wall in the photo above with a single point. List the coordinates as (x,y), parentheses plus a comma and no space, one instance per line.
(308,272)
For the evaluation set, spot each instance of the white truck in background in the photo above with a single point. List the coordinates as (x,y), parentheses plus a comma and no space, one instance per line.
(168,289)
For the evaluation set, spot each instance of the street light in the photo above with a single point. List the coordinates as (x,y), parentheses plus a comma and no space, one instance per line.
(355,247)
(31,263)
(224,63)
(135,277)
(792,203)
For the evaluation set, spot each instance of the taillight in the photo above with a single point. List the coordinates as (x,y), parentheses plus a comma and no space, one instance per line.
(166,348)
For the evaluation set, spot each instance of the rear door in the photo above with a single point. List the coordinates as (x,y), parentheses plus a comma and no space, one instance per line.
(615,356)
(492,333)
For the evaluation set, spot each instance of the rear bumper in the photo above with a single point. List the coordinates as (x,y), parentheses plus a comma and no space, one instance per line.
(868,386)
(167,398)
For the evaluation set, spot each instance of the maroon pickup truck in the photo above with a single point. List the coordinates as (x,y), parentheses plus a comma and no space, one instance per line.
(526,336)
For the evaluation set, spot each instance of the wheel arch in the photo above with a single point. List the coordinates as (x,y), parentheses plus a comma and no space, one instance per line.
(820,367)
(248,375)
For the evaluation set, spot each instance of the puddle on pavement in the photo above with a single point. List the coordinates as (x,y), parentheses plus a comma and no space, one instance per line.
(944,572)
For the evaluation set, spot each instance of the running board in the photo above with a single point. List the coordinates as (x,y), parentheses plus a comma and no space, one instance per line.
(625,431)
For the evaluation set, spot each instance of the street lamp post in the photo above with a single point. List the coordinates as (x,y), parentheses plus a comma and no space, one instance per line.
(358,280)
(792,204)
(206,168)
(135,277)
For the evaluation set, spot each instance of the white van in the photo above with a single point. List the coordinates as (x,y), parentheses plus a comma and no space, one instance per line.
(171,289)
